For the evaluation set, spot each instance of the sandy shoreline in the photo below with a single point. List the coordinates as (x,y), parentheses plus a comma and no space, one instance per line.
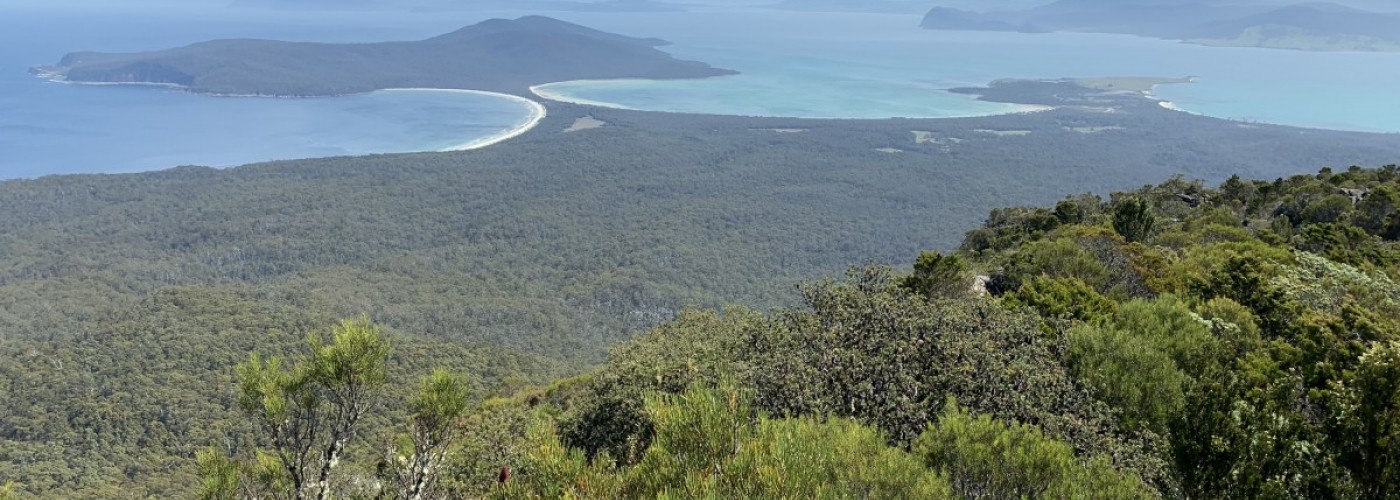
(537,114)
(543,92)
(1150,93)
(537,111)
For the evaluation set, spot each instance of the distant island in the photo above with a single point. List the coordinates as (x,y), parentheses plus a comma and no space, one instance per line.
(1302,26)
(497,55)
(452,5)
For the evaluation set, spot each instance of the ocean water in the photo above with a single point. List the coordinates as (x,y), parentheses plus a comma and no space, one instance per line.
(872,66)
(793,64)
(51,128)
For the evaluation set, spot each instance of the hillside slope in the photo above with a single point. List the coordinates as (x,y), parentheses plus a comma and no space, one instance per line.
(516,263)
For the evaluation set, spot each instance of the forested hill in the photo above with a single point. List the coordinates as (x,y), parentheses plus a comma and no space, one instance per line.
(495,55)
(1175,341)
(126,301)
(1172,341)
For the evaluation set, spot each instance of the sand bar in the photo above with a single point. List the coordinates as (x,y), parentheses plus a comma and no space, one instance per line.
(537,114)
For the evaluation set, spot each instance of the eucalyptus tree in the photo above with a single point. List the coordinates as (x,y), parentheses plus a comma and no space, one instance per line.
(434,425)
(307,412)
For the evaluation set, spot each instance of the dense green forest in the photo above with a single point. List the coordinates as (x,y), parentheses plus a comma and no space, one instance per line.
(1174,341)
(126,301)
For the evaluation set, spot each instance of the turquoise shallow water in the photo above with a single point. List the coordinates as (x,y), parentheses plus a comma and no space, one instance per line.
(868,66)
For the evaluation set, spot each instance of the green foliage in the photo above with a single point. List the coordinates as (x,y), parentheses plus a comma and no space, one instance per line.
(1057,258)
(551,470)
(938,276)
(990,459)
(1009,227)
(1070,212)
(497,434)
(219,477)
(128,300)
(1234,324)
(1328,210)
(1063,299)
(1168,325)
(1130,373)
(864,349)
(1321,284)
(434,426)
(1133,219)
(833,459)
(1343,243)
(696,432)
(1245,279)
(442,398)
(1371,450)
(309,412)
(709,444)
(1379,213)
(697,347)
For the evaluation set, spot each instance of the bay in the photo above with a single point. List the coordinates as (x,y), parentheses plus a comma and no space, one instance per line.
(883,65)
(820,65)
(52,128)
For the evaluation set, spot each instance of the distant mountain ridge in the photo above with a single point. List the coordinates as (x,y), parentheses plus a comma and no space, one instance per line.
(1301,26)
(495,55)
(464,5)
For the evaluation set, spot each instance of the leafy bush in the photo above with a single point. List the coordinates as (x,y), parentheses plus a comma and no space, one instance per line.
(1133,219)
(1131,374)
(1063,299)
(990,459)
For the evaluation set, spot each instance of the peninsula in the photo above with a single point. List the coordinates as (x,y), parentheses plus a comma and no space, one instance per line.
(1297,26)
(498,55)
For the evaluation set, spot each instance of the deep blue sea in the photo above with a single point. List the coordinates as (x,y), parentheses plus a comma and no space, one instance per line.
(793,64)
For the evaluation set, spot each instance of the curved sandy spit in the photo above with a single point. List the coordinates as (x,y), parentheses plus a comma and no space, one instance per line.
(543,91)
(537,111)
(537,114)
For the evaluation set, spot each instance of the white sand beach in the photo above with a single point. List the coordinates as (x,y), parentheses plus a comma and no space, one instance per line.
(544,91)
(537,114)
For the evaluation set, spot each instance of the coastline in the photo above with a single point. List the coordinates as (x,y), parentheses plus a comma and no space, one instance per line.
(537,114)
(1167,104)
(542,91)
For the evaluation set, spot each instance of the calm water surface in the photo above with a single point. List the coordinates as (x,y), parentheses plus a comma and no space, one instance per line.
(49,128)
(871,66)
(793,64)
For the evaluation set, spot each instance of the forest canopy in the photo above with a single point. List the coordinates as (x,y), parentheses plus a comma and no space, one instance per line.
(1176,341)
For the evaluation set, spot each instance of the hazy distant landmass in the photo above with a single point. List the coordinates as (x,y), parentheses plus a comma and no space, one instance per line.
(1302,26)
(877,6)
(496,55)
(466,5)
